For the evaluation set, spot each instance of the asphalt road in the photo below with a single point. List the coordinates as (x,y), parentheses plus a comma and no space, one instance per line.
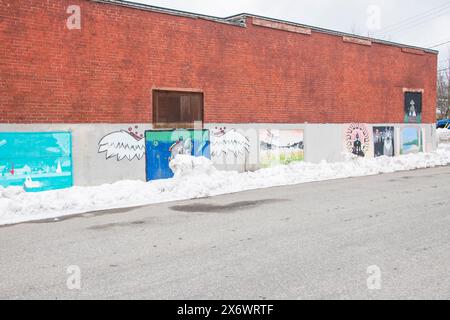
(311,241)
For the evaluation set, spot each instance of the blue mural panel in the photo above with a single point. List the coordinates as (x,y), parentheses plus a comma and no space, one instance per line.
(161,146)
(36,161)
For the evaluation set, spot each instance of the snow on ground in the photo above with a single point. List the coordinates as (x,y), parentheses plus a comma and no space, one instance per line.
(196,178)
(443,135)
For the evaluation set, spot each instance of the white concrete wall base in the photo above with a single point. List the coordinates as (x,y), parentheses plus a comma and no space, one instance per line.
(321,142)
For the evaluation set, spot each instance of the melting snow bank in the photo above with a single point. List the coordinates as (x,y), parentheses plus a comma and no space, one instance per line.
(196,178)
(443,135)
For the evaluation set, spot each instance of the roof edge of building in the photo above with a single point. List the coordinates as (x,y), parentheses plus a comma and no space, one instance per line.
(239,20)
(338,33)
(174,12)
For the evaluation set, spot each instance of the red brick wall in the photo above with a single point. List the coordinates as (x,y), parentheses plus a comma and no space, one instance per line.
(105,72)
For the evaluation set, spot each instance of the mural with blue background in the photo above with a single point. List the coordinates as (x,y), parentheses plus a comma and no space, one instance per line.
(161,146)
(37,161)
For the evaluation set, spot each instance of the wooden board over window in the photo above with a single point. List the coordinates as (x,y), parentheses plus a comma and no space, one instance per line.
(177,110)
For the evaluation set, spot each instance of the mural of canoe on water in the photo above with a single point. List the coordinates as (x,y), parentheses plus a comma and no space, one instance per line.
(36,161)
(164,145)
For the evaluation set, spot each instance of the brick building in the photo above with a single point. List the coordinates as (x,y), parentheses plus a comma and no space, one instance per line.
(98,67)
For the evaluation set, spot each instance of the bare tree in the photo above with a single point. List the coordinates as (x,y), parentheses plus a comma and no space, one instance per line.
(443,88)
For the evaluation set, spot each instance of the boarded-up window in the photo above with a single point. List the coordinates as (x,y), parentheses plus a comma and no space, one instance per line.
(174,109)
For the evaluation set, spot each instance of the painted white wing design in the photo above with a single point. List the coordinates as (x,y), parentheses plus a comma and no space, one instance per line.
(122,144)
(229,142)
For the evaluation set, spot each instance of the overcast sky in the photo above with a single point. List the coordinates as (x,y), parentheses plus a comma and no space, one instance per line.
(415,22)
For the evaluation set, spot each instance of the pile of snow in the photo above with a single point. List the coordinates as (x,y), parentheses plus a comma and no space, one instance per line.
(196,178)
(184,165)
(443,135)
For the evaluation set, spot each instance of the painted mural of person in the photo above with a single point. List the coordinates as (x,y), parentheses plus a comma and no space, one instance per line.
(378,136)
(357,147)
(388,143)
(412,109)
(378,142)
(383,138)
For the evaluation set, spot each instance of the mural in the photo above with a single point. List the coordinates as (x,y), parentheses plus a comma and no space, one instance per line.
(183,146)
(123,145)
(357,139)
(413,107)
(225,142)
(280,147)
(383,141)
(164,145)
(411,141)
(36,161)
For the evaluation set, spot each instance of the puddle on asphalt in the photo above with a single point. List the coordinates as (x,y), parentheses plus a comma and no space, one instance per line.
(230,207)
(113,225)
